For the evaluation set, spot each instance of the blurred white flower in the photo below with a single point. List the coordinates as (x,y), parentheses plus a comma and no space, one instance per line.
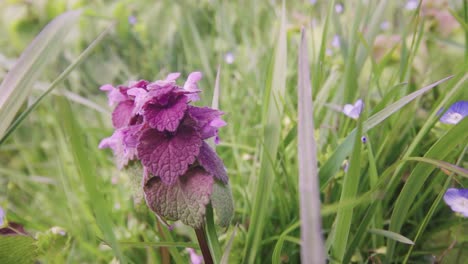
(411,5)
(339,8)
(229,58)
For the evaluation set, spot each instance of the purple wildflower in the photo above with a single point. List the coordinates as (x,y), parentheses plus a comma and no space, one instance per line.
(457,199)
(455,113)
(353,111)
(2,217)
(364,139)
(132,20)
(155,124)
(229,58)
(194,258)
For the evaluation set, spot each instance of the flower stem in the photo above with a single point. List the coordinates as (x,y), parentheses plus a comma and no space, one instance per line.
(208,239)
(202,241)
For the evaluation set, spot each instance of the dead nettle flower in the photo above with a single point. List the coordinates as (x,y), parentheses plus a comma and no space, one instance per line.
(155,124)
(455,113)
(353,111)
(457,199)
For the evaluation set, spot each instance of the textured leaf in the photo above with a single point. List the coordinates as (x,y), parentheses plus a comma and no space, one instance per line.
(17,249)
(168,156)
(209,160)
(223,204)
(165,117)
(185,200)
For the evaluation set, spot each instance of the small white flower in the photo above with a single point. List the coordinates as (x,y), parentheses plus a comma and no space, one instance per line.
(411,5)
(229,58)
(353,111)
(339,8)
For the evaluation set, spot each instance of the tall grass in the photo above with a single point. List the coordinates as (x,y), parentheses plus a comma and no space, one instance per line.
(389,197)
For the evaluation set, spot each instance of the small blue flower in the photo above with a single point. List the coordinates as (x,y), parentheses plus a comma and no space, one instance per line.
(455,113)
(353,111)
(457,199)
(364,139)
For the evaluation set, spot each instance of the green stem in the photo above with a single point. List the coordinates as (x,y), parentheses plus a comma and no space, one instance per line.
(212,237)
(208,239)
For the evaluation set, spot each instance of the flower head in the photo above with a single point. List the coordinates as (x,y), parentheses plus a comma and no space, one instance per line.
(455,113)
(457,199)
(156,125)
(353,111)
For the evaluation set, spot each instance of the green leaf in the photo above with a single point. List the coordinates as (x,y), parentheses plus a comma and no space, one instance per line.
(223,204)
(442,164)
(18,82)
(186,200)
(392,235)
(17,249)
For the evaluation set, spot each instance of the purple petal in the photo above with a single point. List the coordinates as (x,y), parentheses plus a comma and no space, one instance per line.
(138,84)
(457,199)
(114,95)
(122,114)
(194,258)
(209,160)
(191,85)
(172,76)
(208,120)
(455,113)
(141,98)
(165,117)
(185,200)
(122,154)
(168,156)
(131,135)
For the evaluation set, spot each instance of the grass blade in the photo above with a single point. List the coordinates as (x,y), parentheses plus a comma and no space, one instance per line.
(312,249)
(89,176)
(18,82)
(420,174)
(392,235)
(333,164)
(273,111)
(56,82)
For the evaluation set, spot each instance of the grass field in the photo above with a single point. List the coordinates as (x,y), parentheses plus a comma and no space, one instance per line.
(380,197)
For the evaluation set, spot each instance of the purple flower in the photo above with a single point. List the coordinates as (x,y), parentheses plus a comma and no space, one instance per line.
(194,258)
(353,111)
(132,20)
(455,113)
(457,199)
(155,124)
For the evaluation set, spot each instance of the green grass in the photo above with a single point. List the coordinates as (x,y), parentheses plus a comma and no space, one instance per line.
(52,173)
